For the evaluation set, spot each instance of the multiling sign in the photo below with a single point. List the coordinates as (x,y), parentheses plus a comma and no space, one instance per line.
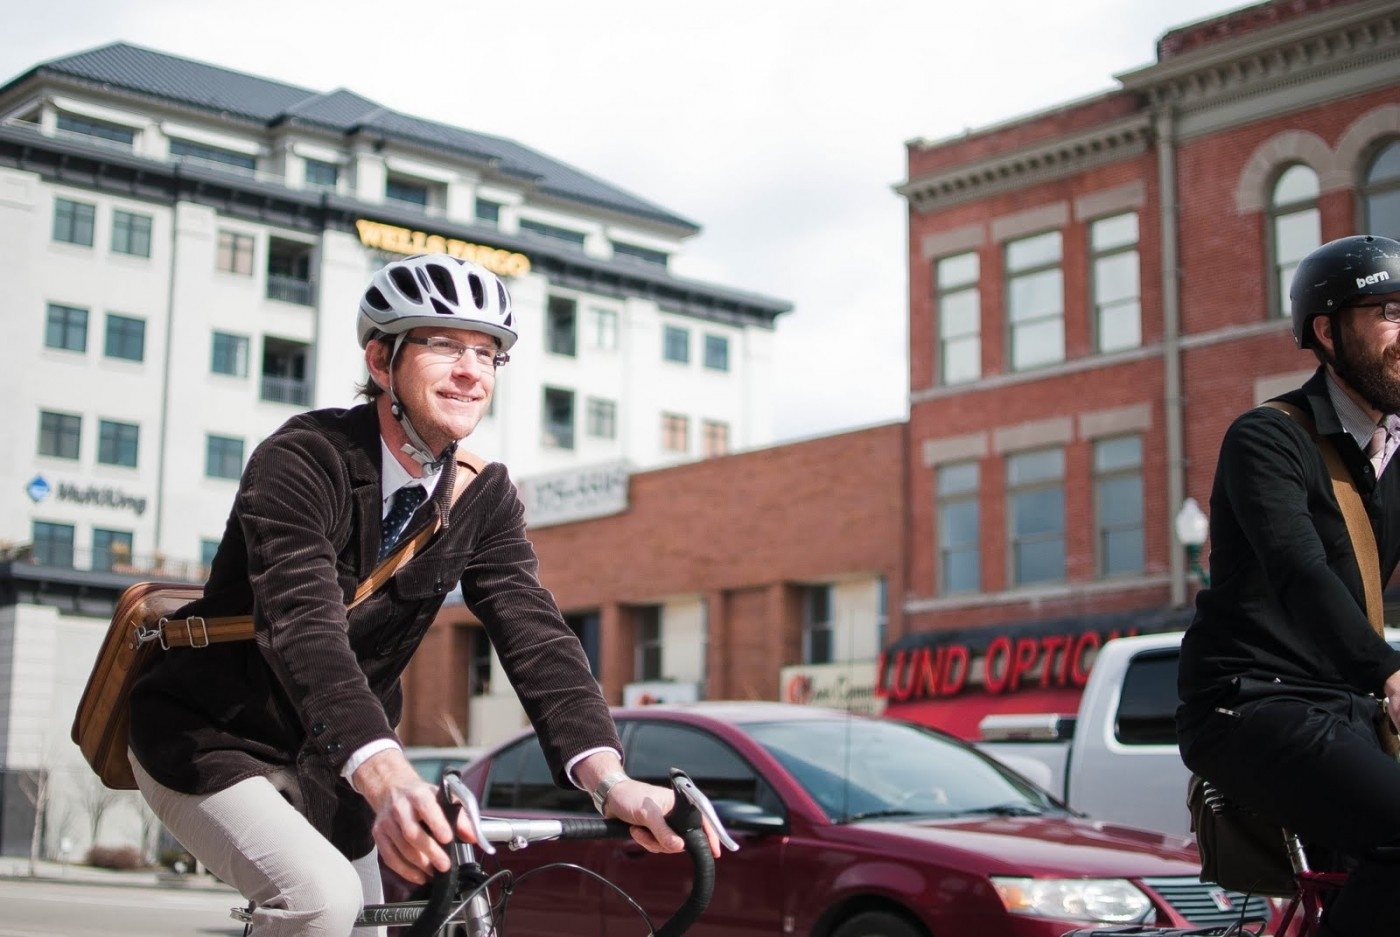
(396,240)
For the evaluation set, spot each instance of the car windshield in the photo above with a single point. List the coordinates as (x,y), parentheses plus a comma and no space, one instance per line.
(862,768)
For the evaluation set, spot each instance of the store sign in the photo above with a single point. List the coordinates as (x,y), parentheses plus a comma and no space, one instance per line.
(101,496)
(651,692)
(575,495)
(848,686)
(396,240)
(993,663)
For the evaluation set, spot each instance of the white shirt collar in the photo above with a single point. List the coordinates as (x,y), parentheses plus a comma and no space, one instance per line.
(394,476)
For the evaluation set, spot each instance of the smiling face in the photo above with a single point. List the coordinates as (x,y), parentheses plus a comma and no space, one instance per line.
(444,398)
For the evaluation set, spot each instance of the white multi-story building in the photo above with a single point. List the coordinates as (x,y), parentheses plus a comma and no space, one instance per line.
(183,249)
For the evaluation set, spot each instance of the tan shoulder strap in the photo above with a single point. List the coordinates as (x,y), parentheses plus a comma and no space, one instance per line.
(200,632)
(1363,538)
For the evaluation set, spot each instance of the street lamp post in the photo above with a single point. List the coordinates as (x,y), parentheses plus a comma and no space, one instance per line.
(1191,530)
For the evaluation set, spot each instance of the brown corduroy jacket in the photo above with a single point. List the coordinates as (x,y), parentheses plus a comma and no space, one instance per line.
(316,684)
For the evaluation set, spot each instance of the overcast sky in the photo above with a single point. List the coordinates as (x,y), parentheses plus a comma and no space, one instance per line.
(776,125)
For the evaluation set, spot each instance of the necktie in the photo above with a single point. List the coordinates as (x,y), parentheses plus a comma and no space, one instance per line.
(401,507)
(1375,449)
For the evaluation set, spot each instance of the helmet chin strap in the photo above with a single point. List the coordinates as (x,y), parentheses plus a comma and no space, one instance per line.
(416,449)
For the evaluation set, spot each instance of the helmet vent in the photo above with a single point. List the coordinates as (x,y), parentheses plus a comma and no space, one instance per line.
(440,307)
(478,291)
(407,285)
(501,292)
(376,299)
(442,280)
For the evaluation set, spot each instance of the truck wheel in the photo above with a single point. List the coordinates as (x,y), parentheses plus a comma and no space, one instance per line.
(877,924)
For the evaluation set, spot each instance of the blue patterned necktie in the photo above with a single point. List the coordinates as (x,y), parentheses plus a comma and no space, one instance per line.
(401,507)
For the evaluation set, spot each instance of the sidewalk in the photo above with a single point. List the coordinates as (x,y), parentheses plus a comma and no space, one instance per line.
(17,868)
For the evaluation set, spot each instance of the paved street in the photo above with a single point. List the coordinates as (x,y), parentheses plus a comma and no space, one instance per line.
(46,908)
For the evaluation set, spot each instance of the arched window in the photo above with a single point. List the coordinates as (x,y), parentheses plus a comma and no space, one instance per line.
(1295,227)
(1380,196)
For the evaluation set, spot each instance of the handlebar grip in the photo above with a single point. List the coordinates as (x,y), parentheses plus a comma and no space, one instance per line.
(589,828)
(443,888)
(686,820)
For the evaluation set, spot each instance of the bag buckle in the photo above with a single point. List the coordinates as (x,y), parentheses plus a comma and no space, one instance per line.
(159,633)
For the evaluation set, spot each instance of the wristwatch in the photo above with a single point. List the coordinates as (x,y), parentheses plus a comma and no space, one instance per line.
(604,788)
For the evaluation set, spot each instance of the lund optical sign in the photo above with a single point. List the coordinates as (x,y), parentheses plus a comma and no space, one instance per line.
(575,495)
(396,240)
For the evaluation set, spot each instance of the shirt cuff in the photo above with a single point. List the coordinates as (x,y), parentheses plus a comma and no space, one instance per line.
(363,754)
(569,768)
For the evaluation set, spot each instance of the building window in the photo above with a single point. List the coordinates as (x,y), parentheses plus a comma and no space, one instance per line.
(235,253)
(320,174)
(675,432)
(284,373)
(207,550)
(1118,504)
(602,418)
(602,329)
(818,631)
(558,418)
(131,233)
(1380,195)
(406,192)
(213,156)
(561,326)
(110,548)
(289,272)
(956,488)
(73,221)
(97,130)
(1295,226)
(229,354)
(647,620)
(223,457)
(675,344)
(714,438)
(553,233)
(959,318)
(53,544)
(716,352)
(117,442)
(1113,242)
(65,327)
(488,212)
(59,434)
(1035,491)
(641,254)
(479,667)
(126,337)
(1035,301)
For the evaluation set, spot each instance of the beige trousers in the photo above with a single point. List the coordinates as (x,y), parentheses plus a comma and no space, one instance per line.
(251,838)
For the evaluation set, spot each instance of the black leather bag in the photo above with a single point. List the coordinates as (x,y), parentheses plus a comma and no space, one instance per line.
(1240,850)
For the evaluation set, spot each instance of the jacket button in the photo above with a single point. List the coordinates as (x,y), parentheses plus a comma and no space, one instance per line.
(332,748)
(437,586)
(318,728)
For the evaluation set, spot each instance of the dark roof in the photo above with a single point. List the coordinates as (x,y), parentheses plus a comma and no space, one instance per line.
(148,73)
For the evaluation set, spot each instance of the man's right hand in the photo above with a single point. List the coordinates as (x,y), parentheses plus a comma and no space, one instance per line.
(410,828)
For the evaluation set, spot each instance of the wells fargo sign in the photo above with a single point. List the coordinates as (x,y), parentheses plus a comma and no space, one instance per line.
(396,240)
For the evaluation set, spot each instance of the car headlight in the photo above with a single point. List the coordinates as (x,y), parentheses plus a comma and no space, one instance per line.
(1110,900)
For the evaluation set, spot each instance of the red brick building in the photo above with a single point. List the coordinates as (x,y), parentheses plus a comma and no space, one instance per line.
(1095,292)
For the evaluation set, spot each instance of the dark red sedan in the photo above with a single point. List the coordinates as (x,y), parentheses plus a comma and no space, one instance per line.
(849,827)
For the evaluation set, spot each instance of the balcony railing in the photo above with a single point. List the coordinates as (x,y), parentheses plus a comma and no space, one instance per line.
(286,390)
(287,289)
(61,556)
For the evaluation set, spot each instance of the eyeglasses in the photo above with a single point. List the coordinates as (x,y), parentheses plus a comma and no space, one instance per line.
(1390,308)
(486,357)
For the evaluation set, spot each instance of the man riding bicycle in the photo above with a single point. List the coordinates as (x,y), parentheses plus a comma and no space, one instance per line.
(1282,674)
(275,761)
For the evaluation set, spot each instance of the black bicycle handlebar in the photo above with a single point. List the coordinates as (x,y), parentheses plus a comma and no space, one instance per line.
(687,817)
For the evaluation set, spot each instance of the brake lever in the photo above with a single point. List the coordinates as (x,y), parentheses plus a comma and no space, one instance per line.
(685,787)
(454,789)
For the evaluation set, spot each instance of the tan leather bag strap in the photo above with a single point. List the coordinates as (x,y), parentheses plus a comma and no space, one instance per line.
(1363,538)
(201,632)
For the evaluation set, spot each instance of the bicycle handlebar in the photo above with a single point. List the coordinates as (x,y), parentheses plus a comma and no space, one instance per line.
(688,817)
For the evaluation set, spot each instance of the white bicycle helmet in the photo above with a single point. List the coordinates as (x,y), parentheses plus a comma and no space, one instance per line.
(435,290)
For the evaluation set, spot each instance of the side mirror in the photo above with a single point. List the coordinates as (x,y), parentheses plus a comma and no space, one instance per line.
(749,818)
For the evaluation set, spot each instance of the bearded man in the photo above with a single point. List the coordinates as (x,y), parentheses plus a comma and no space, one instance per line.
(1283,678)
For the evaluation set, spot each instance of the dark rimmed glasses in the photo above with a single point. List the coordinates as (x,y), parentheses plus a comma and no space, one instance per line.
(1389,308)
(487,357)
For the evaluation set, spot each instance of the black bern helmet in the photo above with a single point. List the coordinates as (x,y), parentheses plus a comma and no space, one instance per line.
(1338,272)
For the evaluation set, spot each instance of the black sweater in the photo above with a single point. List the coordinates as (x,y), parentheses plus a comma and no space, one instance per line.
(1286,600)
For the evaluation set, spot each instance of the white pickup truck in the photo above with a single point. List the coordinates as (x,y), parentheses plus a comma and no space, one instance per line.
(1116,759)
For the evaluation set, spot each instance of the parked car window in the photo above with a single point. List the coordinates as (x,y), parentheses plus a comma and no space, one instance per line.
(1148,701)
(520,779)
(653,749)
